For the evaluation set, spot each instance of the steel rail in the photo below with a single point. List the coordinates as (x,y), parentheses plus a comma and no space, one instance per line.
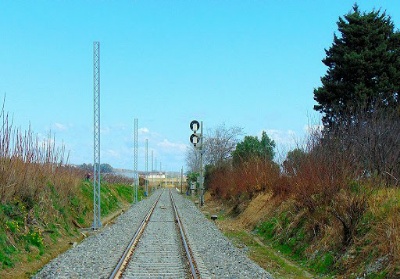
(124,260)
(193,268)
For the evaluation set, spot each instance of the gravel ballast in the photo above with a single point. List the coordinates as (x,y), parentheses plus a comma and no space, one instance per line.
(97,255)
(219,256)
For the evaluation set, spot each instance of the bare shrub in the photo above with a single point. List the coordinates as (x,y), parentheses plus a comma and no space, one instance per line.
(28,165)
(117,179)
(244,180)
(221,182)
(325,180)
(219,144)
(348,208)
(372,143)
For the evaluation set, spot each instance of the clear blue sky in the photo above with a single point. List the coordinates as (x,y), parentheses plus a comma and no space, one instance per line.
(252,64)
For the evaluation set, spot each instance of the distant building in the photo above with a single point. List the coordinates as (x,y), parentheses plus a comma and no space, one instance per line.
(155,175)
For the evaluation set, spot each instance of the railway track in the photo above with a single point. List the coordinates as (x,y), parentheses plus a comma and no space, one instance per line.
(159,248)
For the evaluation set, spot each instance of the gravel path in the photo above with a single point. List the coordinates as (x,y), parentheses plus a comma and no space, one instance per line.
(96,256)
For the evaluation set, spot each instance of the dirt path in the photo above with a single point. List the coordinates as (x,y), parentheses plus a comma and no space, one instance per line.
(303,273)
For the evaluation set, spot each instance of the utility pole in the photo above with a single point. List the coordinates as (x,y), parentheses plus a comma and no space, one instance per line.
(135,161)
(146,182)
(96,154)
(155,170)
(181,179)
(166,178)
(161,176)
(152,169)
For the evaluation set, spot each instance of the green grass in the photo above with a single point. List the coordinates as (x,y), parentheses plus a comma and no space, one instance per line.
(322,263)
(267,256)
(125,192)
(7,253)
(53,220)
(292,242)
(267,229)
(108,201)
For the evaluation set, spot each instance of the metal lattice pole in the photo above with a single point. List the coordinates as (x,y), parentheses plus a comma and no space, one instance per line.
(147,167)
(155,169)
(135,161)
(181,180)
(161,176)
(96,157)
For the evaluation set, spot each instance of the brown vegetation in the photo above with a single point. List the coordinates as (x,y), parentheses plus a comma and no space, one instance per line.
(43,200)
(36,188)
(31,167)
(340,200)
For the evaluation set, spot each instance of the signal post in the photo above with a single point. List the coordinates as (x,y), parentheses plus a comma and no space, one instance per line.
(197,141)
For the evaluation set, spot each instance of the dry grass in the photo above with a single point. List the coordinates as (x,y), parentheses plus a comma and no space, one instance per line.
(44,201)
(340,210)
(36,189)
(29,164)
(238,230)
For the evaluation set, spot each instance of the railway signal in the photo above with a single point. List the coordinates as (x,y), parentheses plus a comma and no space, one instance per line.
(197,141)
(194,139)
(194,125)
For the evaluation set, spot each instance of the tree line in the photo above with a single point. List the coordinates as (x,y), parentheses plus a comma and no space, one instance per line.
(358,100)
(104,168)
(334,183)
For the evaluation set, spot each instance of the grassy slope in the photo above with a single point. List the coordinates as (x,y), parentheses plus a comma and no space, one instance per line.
(31,235)
(263,254)
(277,237)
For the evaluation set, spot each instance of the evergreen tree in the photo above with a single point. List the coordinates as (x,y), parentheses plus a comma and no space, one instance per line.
(363,68)
(253,148)
(294,159)
(267,146)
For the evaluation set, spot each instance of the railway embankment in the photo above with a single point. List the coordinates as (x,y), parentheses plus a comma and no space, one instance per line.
(45,203)
(33,234)
(291,242)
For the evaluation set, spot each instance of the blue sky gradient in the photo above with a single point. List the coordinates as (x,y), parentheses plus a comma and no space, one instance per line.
(252,64)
